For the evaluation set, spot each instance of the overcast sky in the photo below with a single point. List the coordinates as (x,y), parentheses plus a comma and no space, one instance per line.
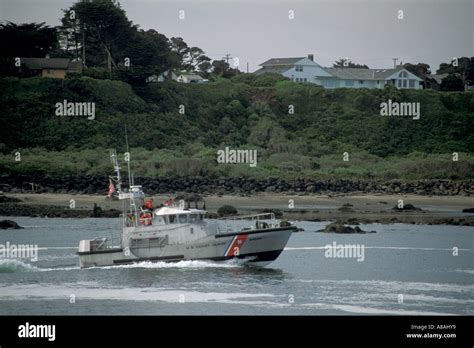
(366,31)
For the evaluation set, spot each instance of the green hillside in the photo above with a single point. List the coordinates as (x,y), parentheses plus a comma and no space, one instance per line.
(244,112)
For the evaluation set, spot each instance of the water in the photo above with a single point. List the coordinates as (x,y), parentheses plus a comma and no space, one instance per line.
(407,269)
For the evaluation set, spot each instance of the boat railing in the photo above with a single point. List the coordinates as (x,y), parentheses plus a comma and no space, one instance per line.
(238,222)
(259,216)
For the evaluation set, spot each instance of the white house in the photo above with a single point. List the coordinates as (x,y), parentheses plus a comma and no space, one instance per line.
(371,78)
(190,78)
(302,69)
(182,77)
(299,69)
(167,75)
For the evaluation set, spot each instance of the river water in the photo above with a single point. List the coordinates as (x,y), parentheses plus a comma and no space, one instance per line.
(405,269)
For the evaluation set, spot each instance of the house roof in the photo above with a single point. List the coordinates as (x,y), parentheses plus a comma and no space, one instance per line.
(193,76)
(279,69)
(362,74)
(51,63)
(438,77)
(282,61)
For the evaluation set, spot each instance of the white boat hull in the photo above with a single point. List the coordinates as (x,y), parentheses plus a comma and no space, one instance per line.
(257,247)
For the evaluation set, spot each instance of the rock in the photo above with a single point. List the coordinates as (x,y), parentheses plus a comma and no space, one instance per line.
(406,207)
(9,225)
(468,210)
(336,227)
(211,215)
(346,209)
(226,210)
(6,199)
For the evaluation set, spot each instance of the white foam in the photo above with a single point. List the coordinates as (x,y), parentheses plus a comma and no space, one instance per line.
(53,292)
(379,247)
(371,310)
(179,264)
(391,287)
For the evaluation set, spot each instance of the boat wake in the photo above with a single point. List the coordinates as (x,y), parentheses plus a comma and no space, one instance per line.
(14,266)
(179,264)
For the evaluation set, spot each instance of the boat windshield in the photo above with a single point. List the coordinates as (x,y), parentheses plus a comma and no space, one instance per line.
(183,218)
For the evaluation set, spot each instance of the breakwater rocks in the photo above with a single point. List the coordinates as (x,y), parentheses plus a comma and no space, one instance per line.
(9,225)
(52,211)
(84,184)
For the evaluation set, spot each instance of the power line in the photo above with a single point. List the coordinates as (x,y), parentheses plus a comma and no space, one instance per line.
(227,57)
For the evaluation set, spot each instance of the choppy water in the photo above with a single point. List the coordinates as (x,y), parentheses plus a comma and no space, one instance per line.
(412,261)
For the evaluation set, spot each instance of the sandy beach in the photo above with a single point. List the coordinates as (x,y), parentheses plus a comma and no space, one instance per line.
(363,208)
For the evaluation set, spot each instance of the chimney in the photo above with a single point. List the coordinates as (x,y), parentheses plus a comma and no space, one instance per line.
(311,57)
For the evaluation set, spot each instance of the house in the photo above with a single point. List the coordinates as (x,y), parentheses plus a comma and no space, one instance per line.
(434,81)
(305,69)
(167,75)
(299,69)
(398,77)
(51,67)
(182,77)
(190,78)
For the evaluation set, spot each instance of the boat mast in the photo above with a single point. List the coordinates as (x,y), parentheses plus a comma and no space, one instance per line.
(133,207)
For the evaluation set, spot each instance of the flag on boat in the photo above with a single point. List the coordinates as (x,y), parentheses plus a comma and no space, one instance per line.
(111,188)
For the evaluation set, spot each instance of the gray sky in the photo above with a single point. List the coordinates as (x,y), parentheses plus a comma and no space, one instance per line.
(365,31)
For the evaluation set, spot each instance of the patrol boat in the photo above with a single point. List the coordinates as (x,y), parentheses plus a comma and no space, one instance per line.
(174,233)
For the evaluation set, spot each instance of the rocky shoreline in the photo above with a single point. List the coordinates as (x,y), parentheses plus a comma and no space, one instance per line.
(365,209)
(85,184)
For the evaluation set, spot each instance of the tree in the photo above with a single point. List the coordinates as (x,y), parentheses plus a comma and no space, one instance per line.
(102,26)
(24,40)
(343,63)
(222,68)
(27,40)
(146,55)
(462,68)
(452,82)
(188,58)
(422,70)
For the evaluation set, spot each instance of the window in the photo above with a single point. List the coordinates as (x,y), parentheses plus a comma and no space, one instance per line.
(399,83)
(172,219)
(305,79)
(298,68)
(349,83)
(411,83)
(183,218)
(361,82)
(201,217)
(192,217)
(405,83)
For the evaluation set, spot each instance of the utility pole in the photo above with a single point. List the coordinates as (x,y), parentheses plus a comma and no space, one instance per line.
(83,46)
(394,62)
(247,67)
(227,58)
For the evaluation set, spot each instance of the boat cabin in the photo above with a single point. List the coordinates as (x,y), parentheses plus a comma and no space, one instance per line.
(171,215)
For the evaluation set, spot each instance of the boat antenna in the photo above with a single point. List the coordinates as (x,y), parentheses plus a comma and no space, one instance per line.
(130,183)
